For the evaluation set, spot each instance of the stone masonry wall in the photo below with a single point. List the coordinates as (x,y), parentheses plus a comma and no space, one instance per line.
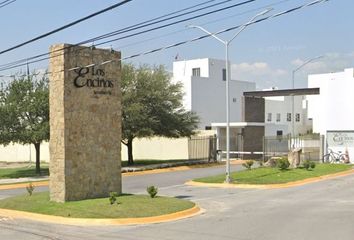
(85,123)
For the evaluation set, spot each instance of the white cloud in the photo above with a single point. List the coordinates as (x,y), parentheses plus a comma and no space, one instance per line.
(331,62)
(297,62)
(351,55)
(317,67)
(256,68)
(261,73)
(280,72)
(266,75)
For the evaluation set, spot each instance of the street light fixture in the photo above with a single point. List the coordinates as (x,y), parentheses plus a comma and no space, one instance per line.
(293,87)
(227,44)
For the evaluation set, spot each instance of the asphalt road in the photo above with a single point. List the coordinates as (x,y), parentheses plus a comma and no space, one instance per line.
(323,210)
(138,184)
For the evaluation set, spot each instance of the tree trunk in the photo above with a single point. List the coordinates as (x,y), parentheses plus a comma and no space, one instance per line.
(130,152)
(38,154)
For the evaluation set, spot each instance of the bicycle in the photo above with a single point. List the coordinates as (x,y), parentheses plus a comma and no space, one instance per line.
(334,157)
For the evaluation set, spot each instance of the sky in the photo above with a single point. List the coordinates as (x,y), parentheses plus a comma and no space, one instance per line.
(265,53)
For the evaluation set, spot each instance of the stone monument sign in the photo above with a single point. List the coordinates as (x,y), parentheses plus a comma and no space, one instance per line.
(85,123)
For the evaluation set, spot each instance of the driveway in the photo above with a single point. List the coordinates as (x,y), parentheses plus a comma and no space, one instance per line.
(323,210)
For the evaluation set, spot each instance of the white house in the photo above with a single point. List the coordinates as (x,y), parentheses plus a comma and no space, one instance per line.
(278,116)
(204,86)
(332,110)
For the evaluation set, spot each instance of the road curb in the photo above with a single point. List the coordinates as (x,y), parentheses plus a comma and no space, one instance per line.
(23,185)
(14,214)
(272,186)
(128,174)
(171,169)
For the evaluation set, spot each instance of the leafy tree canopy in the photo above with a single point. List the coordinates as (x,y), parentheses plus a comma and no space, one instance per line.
(152,105)
(24,112)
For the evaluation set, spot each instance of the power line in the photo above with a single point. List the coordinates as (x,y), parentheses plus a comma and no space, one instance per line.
(195,39)
(4,3)
(203,24)
(174,23)
(206,35)
(149,23)
(129,28)
(228,29)
(142,24)
(18,63)
(157,37)
(66,26)
(7,2)
(245,12)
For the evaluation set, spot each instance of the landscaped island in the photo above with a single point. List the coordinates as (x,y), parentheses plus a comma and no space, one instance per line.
(125,206)
(268,175)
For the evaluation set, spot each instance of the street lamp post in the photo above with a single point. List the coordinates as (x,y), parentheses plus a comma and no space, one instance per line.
(227,69)
(293,87)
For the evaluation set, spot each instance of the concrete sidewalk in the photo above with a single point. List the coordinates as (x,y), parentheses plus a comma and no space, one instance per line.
(166,165)
(23,180)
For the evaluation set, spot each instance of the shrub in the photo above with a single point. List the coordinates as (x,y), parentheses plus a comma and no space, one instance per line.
(152,191)
(248,164)
(30,189)
(307,164)
(113,197)
(282,163)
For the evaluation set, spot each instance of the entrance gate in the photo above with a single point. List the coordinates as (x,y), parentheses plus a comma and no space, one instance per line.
(278,146)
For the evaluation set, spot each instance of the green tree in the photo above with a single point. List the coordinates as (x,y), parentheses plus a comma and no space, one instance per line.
(24,113)
(152,106)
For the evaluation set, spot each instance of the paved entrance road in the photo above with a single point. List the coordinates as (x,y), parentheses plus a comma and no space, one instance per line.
(323,210)
(138,184)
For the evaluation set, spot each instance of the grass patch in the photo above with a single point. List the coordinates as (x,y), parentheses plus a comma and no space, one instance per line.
(274,175)
(130,206)
(22,172)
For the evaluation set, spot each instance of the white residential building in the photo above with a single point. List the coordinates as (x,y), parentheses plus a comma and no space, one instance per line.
(278,116)
(204,87)
(332,110)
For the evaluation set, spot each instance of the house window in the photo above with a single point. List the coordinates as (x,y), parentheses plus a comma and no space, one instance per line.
(224,74)
(278,117)
(297,117)
(269,117)
(234,99)
(196,72)
(279,133)
(288,117)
